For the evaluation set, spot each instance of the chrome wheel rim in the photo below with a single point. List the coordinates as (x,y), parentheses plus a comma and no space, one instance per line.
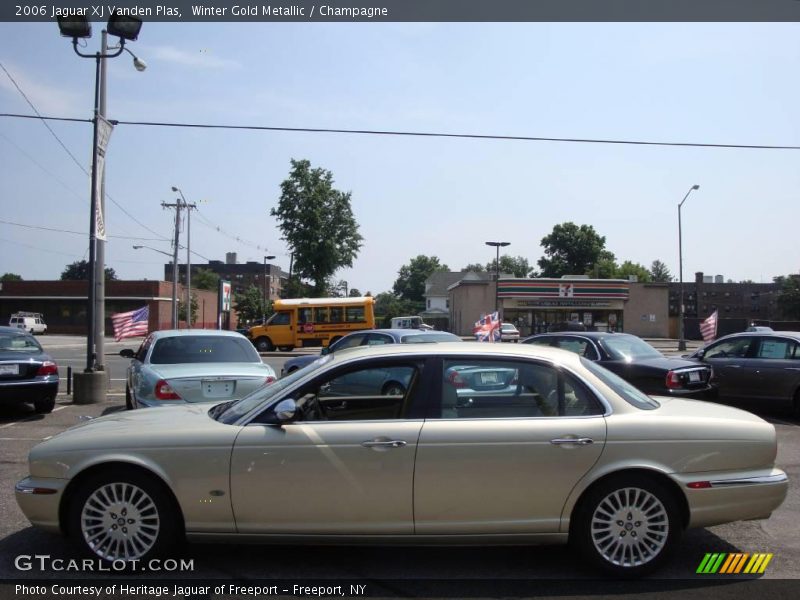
(120,521)
(629,527)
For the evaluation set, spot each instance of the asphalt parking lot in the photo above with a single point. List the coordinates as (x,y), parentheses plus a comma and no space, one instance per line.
(21,429)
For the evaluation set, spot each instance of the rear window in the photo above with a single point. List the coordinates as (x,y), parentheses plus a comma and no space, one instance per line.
(423,338)
(625,390)
(203,349)
(18,343)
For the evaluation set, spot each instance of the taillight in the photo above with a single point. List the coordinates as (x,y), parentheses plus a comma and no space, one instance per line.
(163,391)
(48,368)
(456,380)
(673,380)
(269,379)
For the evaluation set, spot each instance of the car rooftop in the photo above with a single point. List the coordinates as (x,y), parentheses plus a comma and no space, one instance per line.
(181,332)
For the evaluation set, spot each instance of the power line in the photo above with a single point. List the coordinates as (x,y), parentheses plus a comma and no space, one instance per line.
(431,134)
(122,237)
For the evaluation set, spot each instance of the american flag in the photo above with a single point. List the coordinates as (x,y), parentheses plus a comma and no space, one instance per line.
(708,328)
(487,328)
(130,324)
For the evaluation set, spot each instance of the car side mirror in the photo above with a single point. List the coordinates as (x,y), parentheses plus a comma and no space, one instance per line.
(325,351)
(283,412)
(700,353)
(127,353)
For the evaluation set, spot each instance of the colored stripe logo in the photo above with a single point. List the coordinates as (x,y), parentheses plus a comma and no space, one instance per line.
(734,563)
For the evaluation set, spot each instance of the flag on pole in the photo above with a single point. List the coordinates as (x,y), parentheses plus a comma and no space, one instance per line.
(487,328)
(708,328)
(130,324)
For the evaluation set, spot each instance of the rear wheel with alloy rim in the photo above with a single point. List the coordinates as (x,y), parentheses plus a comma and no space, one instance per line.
(44,405)
(125,516)
(627,525)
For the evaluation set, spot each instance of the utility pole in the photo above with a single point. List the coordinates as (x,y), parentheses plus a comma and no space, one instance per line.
(188,208)
(100,243)
(175,244)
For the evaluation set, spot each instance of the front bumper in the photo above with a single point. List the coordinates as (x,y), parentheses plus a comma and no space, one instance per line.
(39,499)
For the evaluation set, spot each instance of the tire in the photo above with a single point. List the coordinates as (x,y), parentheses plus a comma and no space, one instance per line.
(44,405)
(393,389)
(122,506)
(128,399)
(286,348)
(264,344)
(31,332)
(644,527)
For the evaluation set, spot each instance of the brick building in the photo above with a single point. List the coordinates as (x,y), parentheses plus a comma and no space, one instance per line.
(241,275)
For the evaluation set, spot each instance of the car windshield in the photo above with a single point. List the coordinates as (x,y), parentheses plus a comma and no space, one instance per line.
(628,348)
(230,412)
(508,327)
(625,390)
(181,349)
(18,343)
(426,338)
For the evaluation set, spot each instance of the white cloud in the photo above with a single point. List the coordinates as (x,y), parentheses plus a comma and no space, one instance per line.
(198,58)
(48,100)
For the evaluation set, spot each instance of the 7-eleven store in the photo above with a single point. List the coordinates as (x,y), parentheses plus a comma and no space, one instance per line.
(535,304)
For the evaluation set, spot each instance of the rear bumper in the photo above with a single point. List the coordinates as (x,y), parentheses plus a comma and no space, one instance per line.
(28,390)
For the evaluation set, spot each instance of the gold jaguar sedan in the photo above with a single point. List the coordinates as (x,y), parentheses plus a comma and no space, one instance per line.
(488,444)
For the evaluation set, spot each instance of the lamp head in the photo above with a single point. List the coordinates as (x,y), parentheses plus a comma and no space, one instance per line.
(139,64)
(74,27)
(695,187)
(174,189)
(124,26)
(138,247)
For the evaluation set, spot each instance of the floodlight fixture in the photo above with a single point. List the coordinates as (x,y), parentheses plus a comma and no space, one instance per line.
(75,27)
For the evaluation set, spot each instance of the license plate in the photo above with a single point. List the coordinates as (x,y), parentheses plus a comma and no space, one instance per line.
(694,376)
(488,378)
(9,369)
(218,389)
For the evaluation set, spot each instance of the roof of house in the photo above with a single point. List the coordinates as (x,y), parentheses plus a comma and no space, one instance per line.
(440,281)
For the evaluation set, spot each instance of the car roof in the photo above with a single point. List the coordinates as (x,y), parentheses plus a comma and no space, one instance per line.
(162,333)
(791,334)
(17,330)
(398,332)
(594,335)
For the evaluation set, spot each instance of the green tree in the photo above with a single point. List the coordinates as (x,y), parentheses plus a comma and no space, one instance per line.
(475,268)
(317,223)
(387,305)
(571,250)
(205,279)
(605,267)
(659,272)
(79,271)
(789,296)
(10,277)
(410,282)
(516,265)
(354,293)
(628,268)
(250,304)
(182,309)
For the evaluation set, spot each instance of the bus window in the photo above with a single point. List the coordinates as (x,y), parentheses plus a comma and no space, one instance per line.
(304,315)
(280,318)
(320,315)
(337,314)
(355,314)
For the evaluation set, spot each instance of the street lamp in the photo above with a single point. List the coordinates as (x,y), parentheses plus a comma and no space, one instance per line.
(126,28)
(264,301)
(497,273)
(174,279)
(681,340)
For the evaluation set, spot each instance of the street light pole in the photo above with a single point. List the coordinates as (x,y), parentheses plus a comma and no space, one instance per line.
(682,340)
(497,274)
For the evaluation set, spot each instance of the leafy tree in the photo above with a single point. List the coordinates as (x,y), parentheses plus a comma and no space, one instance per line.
(659,272)
(317,223)
(476,268)
(79,271)
(182,309)
(387,305)
(10,277)
(516,265)
(570,250)
(605,267)
(628,268)
(250,304)
(789,296)
(354,293)
(410,282)
(205,279)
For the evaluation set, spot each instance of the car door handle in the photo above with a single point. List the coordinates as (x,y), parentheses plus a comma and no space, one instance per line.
(577,441)
(384,443)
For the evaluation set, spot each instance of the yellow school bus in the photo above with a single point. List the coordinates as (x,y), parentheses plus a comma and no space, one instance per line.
(304,322)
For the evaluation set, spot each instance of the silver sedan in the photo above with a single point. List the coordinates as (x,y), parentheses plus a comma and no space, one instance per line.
(193,365)
(566,451)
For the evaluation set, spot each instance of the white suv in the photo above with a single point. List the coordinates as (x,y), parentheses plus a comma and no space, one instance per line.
(32,322)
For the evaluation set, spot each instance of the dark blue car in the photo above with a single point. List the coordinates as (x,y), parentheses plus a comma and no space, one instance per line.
(27,373)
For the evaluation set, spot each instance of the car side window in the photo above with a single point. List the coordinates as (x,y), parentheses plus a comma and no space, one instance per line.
(543,341)
(580,346)
(367,393)
(497,389)
(141,353)
(777,349)
(736,348)
(351,341)
(378,339)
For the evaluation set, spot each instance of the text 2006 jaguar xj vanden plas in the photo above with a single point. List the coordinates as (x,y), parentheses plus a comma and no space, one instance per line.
(556,449)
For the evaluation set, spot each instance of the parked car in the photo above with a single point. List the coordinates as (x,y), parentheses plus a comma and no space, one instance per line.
(508,333)
(761,367)
(193,365)
(372,337)
(29,321)
(621,481)
(634,360)
(27,372)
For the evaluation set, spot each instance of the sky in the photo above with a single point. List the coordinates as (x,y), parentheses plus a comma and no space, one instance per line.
(718,83)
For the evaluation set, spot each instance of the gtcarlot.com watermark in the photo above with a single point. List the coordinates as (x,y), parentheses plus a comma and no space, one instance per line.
(46,563)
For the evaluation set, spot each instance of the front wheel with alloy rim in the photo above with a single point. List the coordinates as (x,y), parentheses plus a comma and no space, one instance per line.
(627,525)
(123,516)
